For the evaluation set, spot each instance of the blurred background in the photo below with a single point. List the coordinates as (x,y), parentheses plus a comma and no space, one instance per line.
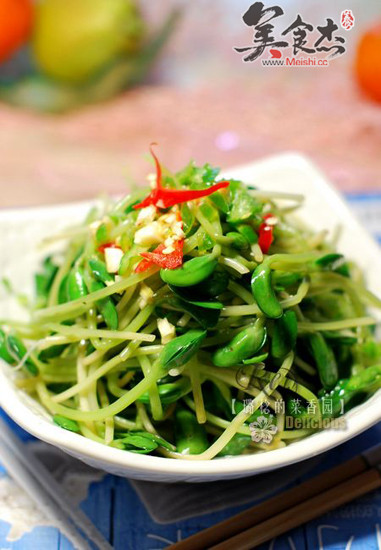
(78,113)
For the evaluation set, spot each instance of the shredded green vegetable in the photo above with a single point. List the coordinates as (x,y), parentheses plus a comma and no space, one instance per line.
(243,331)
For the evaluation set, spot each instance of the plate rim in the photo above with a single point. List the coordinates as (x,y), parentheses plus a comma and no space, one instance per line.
(190,470)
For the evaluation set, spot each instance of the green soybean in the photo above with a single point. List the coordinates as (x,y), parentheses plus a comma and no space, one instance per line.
(324,359)
(62,291)
(238,240)
(192,272)
(263,292)
(284,279)
(106,307)
(100,271)
(214,285)
(284,335)
(236,445)
(75,285)
(190,436)
(244,345)
(248,232)
(169,393)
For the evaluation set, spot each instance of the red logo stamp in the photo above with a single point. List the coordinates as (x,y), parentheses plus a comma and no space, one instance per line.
(347,20)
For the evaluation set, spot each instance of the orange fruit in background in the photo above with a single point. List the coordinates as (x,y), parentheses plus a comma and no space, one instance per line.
(368,63)
(15,25)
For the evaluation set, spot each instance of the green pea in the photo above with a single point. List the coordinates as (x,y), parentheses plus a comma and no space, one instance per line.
(238,240)
(245,344)
(169,393)
(76,287)
(324,359)
(191,272)
(284,335)
(181,349)
(106,307)
(190,436)
(100,271)
(263,292)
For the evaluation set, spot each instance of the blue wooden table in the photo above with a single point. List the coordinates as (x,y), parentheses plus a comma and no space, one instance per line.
(114,506)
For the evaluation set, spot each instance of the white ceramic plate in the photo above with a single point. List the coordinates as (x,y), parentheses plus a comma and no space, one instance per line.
(22,229)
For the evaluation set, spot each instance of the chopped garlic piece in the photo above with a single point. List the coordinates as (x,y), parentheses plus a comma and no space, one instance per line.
(271,221)
(178,230)
(152,179)
(149,234)
(168,218)
(166,329)
(146,295)
(175,372)
(146,215)
(169,241)
(94,226)
(113,257)
(168,250)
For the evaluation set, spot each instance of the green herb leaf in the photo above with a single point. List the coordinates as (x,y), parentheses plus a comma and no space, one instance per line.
(66,423)
(243,206)
(180,350)
(187,294)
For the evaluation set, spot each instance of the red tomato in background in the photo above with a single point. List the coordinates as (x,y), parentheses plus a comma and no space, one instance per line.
(368,63)
(15,25)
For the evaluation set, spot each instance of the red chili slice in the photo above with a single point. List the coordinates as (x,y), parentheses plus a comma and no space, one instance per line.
(266,234)
(157,257)
(165,198)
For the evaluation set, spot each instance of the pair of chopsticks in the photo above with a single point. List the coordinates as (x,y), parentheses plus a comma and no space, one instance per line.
(293,507)
(40,485)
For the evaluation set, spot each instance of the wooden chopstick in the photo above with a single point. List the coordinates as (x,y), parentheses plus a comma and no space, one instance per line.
(303,512)
(277,504)
(38,482)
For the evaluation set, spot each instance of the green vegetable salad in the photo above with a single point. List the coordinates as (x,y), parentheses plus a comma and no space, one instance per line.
(196,319)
